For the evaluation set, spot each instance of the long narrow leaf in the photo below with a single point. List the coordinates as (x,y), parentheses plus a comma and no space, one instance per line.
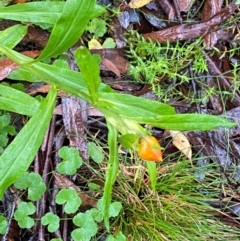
(132,106)
(34,12)
(16,101)
(10,37)
(90,71)
(112,170)
(69,27)
(18,156)
(187,122)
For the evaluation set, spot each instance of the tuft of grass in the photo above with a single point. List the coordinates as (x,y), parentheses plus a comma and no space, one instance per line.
(178,210)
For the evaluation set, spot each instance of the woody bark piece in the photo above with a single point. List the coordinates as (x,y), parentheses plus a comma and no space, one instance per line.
(75,117)
(168,8)
(211,7)
(189,31)
(184,5)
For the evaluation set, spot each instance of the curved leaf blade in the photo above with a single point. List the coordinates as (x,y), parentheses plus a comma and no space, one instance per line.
(11,36)
(16,101)
(69,27)
(18,156)
(34,12)
(187,122)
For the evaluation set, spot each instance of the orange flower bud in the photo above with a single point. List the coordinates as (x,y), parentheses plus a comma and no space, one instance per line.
(149,149)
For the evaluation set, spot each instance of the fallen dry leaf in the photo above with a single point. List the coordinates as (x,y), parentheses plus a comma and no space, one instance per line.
(182,143)
(111,66)
(7,65)
(138,3)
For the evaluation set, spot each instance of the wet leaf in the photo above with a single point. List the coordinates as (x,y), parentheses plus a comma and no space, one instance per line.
(182,143)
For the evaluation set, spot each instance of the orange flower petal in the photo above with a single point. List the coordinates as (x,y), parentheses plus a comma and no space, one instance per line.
(150,149)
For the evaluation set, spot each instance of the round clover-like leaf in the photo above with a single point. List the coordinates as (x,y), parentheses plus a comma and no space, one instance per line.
(34,183)
(88,227)
(70,197)
(95,152)
(51,220)
(21,214)
(71,160)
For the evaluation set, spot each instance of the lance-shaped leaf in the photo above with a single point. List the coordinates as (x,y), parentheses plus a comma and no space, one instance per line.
(10,37)
(18,156)
(34,12)
(16,101)
(187,122)
(130,106)
(90,71)
(70,26)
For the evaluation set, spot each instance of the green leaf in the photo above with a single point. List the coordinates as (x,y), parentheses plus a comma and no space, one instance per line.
(69,27)
(112,170)
(56,239)
(119,237)
(185,122)
(12,35)
(16,101)
(71,198)
(97,27)
(115,209)
(18,156)
(152,171)
(93,186)
(134,107)
(95,152)
(3,224)
(128,140)
(21,214)
(51,220)
(71,160)
(90,71)
(88,227)
(34,183)
(34,12)
(96,214)
(109,44)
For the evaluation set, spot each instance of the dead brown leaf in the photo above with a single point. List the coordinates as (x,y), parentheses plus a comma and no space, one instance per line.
(182,143)
(138,3)
(7,65)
